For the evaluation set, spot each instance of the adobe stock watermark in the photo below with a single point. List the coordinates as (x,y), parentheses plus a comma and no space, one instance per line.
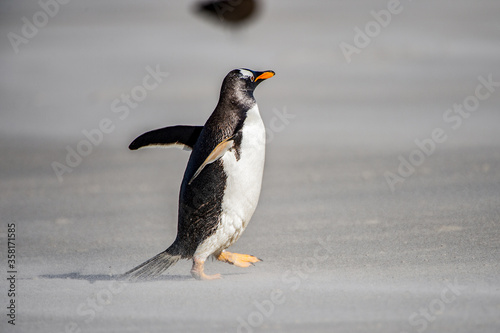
(372,29)
(278,123)
(436,307)
(292,280)
(121,108)
(95,303)
(454,117)
(30,28)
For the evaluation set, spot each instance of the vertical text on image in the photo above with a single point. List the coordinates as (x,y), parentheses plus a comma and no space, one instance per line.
(11,273)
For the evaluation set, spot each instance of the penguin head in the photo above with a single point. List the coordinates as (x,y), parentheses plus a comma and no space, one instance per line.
(242,82)
(252,78)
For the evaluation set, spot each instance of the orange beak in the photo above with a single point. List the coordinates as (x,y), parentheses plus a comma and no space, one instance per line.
(264,75)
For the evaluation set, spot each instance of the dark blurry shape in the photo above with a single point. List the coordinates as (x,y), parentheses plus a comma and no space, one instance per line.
(229,12)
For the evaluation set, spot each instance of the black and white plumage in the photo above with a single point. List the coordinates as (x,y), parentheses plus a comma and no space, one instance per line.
(222,181)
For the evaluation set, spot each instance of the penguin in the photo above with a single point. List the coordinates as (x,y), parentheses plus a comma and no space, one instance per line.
(222,181)
(229,12)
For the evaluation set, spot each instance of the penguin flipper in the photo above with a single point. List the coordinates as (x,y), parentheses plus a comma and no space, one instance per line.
(217,153)
(182,135)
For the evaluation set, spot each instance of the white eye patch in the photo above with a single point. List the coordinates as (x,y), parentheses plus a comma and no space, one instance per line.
(246,73)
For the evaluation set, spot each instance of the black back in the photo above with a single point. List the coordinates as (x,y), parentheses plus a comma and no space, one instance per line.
(200,202)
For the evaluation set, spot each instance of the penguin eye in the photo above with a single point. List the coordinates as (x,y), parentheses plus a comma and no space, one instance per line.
(252,78)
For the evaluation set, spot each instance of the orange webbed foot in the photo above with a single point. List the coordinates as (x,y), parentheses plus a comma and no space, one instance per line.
(237,259)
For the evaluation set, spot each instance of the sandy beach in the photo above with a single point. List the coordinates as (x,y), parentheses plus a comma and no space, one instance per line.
(380,205)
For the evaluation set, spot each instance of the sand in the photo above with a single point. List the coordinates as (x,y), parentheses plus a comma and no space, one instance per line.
(380,207)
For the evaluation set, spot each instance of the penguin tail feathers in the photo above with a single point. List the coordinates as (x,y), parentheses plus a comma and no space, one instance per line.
(153,267)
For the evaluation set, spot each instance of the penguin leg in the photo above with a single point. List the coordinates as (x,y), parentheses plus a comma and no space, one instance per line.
(237,259)
(198,272)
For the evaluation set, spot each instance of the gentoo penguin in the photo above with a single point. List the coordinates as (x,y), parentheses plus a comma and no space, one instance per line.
(229,12)
(222,181)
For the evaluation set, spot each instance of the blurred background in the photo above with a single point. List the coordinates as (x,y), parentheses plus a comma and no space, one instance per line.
(357,82)
(396,89)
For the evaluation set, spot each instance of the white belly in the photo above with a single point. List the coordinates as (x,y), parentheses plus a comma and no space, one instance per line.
(243,184)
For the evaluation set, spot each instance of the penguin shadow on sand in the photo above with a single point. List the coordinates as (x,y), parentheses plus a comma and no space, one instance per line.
(113,277)
(120,277)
